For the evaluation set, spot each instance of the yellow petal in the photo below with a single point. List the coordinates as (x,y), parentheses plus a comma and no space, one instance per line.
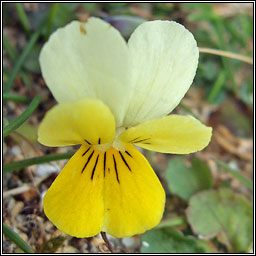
(171,134)
(165,57)
(89,60)
(74,202)
(133,196)
(70,123)
(113,191)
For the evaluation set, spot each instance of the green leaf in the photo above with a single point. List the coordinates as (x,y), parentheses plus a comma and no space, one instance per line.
(167,240)
(222,213)
(23,117)
(8,232)
(186,181)
(36,160)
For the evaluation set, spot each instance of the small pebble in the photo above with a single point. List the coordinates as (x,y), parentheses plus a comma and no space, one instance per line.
(128,242)
(44,169)
(15,150)
(145,244)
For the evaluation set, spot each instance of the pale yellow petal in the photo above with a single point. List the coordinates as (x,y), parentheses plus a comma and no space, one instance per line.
(82,121)
(74,202)
(91,60)
(133,196)
(165,58)
(171,134)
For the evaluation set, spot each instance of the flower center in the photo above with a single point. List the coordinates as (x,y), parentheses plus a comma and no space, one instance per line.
(116,143)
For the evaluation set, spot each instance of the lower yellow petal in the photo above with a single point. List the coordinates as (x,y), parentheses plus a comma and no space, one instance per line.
(133,196)
(170,134)
(74,202)
(116,192)
(71,123)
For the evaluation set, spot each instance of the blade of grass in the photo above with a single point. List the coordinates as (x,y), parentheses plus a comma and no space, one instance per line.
(23,17)
(236,174)
(8,232)
(217,23)
(33,39)
(188,110)
(12,54)
(235,33)
(219,28)
(10,50)
(220,81)
(15,97)
(23,117)
(21,60)
(51,17)
(36,160)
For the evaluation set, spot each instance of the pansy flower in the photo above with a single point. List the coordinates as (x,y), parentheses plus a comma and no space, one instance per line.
(113,96)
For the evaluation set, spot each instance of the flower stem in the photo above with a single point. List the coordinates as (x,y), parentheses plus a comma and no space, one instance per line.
(227,54)
(108,244)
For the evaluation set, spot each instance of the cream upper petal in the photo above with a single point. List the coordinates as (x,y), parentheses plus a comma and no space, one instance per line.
(164,58)
(88,60)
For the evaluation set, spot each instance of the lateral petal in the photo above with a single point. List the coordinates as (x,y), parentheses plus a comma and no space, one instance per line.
(86,121)
(174,134)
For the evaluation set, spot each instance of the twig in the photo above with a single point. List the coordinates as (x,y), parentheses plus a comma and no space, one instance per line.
(108,244)
(227,54)
(24,188)
(16,191)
